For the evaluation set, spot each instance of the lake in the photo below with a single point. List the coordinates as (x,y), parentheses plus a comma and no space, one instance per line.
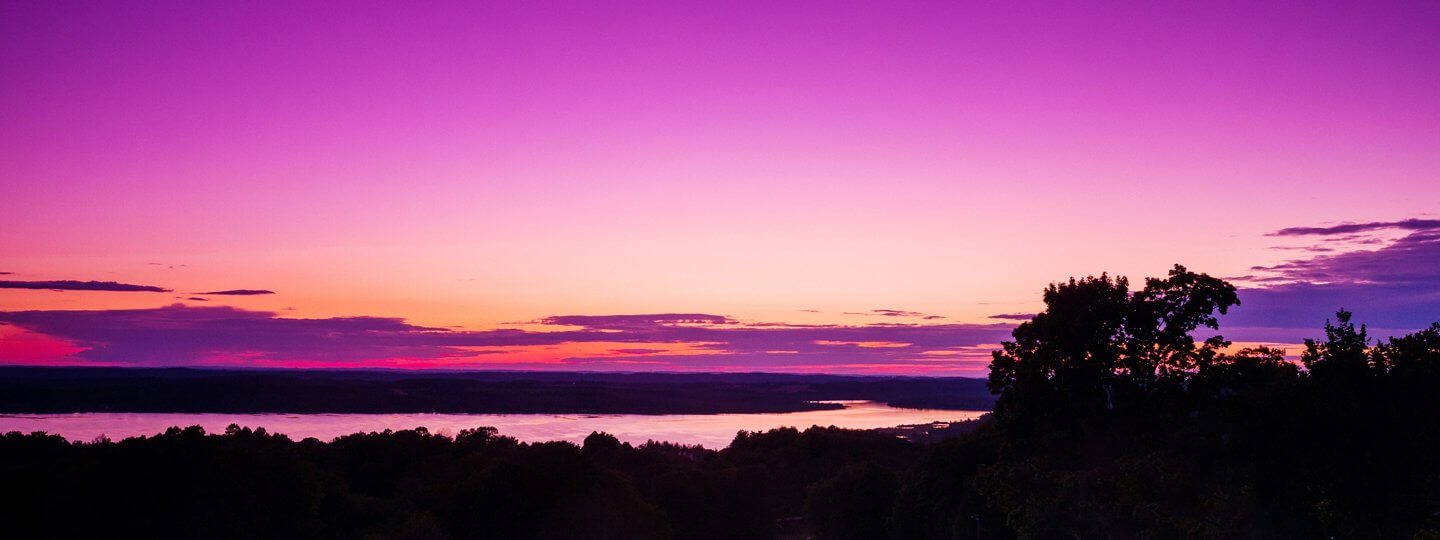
(710,430)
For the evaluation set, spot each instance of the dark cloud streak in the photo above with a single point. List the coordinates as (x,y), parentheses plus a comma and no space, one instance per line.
(1352,228)
(1013,316)
(73,285)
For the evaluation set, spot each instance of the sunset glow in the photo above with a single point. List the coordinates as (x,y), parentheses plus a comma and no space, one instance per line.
(791,187)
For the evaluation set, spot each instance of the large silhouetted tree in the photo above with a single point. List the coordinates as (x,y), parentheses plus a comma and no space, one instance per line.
(1096,343)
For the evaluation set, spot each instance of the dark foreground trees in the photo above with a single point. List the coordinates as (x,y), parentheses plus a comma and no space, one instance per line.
(1120,415)
(1114,421)
(414,484)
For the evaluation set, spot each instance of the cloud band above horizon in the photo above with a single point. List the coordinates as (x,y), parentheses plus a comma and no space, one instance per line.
(180,335)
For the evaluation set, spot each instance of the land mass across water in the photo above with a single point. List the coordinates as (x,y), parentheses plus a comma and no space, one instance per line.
(185,390)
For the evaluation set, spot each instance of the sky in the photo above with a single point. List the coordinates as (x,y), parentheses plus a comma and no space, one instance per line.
(836,187)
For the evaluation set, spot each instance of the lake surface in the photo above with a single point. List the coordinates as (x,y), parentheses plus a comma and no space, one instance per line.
(710,430)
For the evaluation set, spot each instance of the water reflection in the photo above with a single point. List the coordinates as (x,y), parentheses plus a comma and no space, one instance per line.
(710,430)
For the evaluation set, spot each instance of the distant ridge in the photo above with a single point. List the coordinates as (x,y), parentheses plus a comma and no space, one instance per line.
(190,390)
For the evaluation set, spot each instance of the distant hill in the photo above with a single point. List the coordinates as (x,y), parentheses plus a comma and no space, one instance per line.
(64,390)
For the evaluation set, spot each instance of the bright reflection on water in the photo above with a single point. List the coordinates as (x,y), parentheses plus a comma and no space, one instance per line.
(710,430)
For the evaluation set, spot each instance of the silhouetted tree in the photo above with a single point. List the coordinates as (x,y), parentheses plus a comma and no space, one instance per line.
(1097,343)
(1343,357)
(1117,421)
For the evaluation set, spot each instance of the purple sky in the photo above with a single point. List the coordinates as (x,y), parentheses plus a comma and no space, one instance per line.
(843,187)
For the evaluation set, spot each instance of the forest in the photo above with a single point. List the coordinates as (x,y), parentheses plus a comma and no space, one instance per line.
(1119,414)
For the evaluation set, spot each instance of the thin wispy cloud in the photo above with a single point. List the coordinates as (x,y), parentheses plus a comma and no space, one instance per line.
(638,351)
(631,321)
(1414,224)
(73,285)
(895,313)
(1013,316)
(238,292)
